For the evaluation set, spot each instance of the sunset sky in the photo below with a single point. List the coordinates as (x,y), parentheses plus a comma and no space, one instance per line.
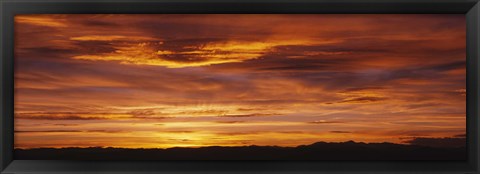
(160,81)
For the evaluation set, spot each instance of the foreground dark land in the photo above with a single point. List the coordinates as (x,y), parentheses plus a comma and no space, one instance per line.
(317,151)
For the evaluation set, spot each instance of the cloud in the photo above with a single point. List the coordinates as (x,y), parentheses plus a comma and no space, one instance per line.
(46,131)
(372,72)
(363,100)
(147,114)
(66,124)
(147,53)
(142,112)
(110,38)
(368,88)
(324,122)
(449,66)
(48,22)
(68,131)
(216,112)
(462,92)
(180,131)
(340,132)
(229,122)
(249,115)
(98,23)
(239,133)
(55,117)
(73,116)
(422,72)
(439,142)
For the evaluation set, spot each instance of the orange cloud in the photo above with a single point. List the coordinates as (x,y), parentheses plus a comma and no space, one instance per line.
(109,38)
(145,53)
(48,22)
(159,81)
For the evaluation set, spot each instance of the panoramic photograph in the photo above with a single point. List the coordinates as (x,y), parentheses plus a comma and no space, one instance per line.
(240,87)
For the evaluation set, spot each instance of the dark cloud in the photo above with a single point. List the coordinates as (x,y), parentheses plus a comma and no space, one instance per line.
(45,52)
(438,142)
(367,88)
(142,112)
(299,67)
(65,124)
(106,131)
(423,72)
(176,29)
(82,116)
(340,132)
(448,66)
(96,47)
(250,109)
(294,132)
(182,140)
(151,117)
(347,47)
(97,23)
(46,131)
(422,105)
(206,112)
(56,117)
(230,122)
(363,100)
(277,62)
(68,131)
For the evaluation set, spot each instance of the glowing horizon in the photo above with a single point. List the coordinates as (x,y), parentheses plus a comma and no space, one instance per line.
(161,81)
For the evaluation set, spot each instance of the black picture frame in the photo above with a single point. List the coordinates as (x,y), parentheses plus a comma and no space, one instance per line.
(9,8)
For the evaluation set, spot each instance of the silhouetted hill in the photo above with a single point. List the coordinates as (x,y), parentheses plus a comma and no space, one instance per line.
(318,151)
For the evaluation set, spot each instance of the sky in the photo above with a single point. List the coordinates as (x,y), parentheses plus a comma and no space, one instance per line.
(161,81)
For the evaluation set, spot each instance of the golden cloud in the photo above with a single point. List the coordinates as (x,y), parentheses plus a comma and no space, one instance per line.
(145,53)
(109,38)
(42,21)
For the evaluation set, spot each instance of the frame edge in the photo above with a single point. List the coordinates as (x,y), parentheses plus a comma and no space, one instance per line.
(2,121)
(473,71)
(6,92)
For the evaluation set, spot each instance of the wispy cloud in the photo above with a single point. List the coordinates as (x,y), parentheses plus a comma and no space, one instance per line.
(48,22)
(363,100)
(199,80)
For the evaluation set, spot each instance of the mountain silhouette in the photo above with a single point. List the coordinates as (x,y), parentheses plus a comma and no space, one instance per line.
(349,150)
